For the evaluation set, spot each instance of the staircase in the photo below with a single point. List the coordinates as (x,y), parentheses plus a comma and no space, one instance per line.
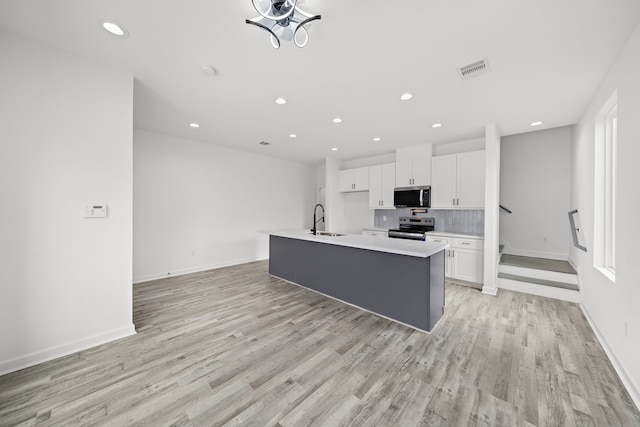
(539,276)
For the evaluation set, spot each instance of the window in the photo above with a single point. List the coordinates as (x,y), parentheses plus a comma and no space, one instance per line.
(605,188)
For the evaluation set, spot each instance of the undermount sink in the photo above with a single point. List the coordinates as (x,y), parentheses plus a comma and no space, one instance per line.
(327,233)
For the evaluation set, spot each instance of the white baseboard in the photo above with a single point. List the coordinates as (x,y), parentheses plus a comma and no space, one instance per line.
(51,353)
(183,271)
(490,291)
(536,254)
(631,387)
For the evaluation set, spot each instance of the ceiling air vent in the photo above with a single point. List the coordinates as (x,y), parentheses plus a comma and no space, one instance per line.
(265,143)
(473,70)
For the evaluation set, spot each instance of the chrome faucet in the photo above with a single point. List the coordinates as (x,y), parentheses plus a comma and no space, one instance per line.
(314,230)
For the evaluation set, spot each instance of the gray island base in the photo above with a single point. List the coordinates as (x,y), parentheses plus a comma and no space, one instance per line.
(405,288)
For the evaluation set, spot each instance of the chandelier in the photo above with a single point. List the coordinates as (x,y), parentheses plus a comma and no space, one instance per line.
(283,19)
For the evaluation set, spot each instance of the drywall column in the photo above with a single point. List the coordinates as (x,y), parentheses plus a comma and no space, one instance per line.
(334,211)
(492,207)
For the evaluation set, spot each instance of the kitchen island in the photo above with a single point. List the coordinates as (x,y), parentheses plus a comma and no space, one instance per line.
(402,280)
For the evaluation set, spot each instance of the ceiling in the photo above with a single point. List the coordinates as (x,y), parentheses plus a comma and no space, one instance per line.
(546,58)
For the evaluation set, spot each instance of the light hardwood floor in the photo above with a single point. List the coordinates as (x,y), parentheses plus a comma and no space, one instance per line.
(236,346)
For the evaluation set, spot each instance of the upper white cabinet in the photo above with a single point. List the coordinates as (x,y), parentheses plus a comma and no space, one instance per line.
(413,166)
(457,180)
(353,179)
(382,179)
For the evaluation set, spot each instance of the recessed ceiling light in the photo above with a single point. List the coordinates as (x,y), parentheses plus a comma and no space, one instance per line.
(376,139)
(334,149)
(115,29)
(281,101)
(208,71)
(337,120)
(436,125)
(194,125)
(292,135)
(406,96)
(535,124)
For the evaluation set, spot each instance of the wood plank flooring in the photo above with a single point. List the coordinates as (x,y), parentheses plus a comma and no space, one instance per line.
(537,263)
(235,346)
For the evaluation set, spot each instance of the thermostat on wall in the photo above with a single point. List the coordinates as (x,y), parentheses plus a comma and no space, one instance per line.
(95,211)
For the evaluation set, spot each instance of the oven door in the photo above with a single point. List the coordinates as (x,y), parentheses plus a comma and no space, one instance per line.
(403,234)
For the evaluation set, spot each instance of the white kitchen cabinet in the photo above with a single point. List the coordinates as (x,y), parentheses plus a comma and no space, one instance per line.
(447,260)
(464,257)
(443,181)
(467,265)
(356,179)
(374,232)
(413,166)
(382,180)
(457,180)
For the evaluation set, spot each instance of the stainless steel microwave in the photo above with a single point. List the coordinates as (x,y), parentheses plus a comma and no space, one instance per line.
(412,197)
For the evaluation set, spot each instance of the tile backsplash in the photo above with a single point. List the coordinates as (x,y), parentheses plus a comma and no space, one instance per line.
(455,221)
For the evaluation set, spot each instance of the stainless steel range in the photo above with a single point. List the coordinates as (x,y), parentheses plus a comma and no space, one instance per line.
(412,227)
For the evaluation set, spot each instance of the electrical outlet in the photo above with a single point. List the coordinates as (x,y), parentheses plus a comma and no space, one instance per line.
(450,221)
(384,217)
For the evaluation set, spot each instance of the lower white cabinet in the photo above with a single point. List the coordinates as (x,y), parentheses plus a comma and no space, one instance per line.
(375,233)
(464,257)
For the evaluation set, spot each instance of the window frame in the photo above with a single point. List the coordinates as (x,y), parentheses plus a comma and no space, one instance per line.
(605,188)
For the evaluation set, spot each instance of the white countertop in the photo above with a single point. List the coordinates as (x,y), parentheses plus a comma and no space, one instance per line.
(372,243)
(450,234)
(375,229)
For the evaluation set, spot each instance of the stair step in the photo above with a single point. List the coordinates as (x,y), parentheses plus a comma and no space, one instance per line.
(535,273)
(541,290)
(537,263)
(538,281)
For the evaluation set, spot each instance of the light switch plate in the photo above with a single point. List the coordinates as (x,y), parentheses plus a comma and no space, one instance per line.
(95,210)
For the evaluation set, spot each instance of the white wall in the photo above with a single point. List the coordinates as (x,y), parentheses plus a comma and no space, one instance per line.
(535,184)
(459,146)
(610,305)
(357,214)
(66,140)
(493,147)
(200,206)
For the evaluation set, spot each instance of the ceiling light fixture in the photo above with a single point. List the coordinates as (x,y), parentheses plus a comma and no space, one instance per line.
(292,135)
(282,19)
(194,125)
(406,96)
(337,120)
(281,101)
(115,29)
(535,124)
(208,71)
(334,149)
(376,139)
(436,125)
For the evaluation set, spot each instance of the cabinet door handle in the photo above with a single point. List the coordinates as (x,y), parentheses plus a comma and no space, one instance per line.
(458,202)
(465,243)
